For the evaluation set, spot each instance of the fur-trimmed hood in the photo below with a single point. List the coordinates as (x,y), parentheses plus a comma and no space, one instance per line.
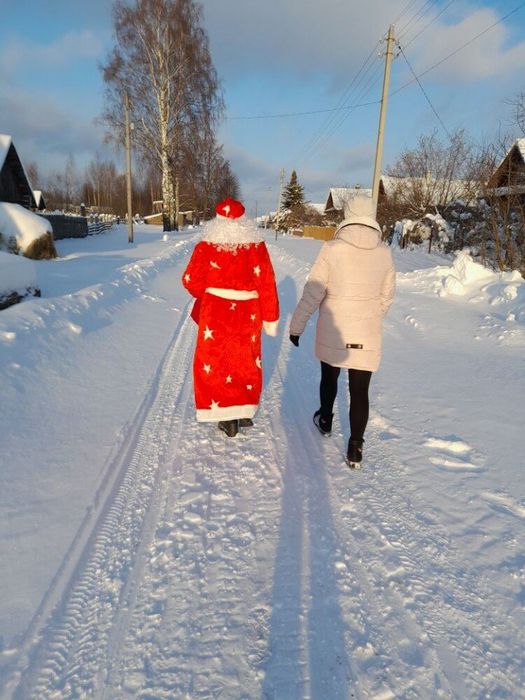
(230,233)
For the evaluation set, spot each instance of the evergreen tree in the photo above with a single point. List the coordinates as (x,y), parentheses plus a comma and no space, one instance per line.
(293,193)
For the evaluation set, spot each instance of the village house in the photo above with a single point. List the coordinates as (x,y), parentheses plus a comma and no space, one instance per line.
(14,183)
(508,179)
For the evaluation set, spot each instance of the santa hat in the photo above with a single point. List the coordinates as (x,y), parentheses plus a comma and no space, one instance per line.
(230,208)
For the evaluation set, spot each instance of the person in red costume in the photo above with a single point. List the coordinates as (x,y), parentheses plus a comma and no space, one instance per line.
(231,277)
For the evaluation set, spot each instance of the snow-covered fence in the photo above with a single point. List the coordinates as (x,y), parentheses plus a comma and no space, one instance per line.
(100,226)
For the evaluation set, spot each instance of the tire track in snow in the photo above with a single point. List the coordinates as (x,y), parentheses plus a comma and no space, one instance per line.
(74,644)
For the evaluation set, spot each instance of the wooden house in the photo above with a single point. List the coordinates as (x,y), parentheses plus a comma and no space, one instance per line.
(14,184)
(337,196)
(508,179)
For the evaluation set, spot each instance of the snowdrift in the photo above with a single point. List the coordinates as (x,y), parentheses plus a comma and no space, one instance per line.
(25,232)
(17,279)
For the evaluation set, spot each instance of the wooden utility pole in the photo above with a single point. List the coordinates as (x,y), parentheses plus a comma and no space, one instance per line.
(128,168)
(382,115)
(177,202)
(281,185)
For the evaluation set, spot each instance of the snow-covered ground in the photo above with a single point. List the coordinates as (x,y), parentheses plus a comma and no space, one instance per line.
(147,556)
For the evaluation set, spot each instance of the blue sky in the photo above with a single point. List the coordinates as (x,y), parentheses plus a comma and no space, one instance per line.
(272,57)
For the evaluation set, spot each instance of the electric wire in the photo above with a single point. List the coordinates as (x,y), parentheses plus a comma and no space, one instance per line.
(460,48)
(415,18)
(425,94)
(434,19)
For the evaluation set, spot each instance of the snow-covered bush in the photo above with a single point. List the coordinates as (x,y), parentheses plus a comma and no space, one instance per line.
(431,229)
(21,231)
(17,279)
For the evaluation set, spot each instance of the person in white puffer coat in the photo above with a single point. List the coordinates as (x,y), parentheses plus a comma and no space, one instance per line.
(352,283)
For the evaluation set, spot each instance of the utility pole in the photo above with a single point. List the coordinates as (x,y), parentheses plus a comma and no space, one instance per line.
(177,203)
(281,185)
(382,115)
(128,168)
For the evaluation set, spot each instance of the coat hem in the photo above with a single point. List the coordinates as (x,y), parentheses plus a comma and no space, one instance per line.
(218,413)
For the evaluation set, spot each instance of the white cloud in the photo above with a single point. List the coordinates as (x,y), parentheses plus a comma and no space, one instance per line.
(488,57)
(43,132)
(306,38)
(22,54)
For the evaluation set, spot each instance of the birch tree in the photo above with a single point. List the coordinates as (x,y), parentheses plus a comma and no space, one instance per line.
(161,59)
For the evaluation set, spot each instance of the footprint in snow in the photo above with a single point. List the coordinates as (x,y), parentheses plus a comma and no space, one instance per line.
(504,503)
(455,454)
(412,321)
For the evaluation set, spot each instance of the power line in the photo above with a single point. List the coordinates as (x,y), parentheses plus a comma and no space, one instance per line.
(436,17)
(410,4)
(416,17)
(425,94)
(343,100)
(463,46)
(301,114)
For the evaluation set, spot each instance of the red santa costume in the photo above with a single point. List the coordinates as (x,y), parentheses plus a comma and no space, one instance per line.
(231,276)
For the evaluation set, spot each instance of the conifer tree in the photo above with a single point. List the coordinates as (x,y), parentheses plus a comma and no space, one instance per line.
(293,193)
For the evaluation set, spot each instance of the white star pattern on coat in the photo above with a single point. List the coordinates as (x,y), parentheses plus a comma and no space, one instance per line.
(258,363)
(214,404)
(253,317)
(187,278)
(208,334)
(249,387)
(229,379)
(214,264)
(257,270)
(233,306)
(254,338)
(207,368)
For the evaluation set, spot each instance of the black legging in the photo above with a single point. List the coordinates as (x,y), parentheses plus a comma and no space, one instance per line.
(358,383)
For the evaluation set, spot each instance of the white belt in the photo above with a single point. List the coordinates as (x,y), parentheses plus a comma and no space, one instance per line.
(235,294)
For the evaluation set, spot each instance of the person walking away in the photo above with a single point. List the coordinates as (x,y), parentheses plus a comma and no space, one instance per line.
(232,279)
(352,284)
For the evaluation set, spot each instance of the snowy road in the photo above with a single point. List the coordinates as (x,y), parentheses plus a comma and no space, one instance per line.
(261,567)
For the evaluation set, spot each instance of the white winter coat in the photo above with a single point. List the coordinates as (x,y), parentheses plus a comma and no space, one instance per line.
(352,284)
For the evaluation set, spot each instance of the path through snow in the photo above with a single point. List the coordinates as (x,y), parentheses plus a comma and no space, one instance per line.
(261,567)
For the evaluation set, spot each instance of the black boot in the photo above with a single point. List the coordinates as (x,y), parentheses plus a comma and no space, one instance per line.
(230,427)
(245,423)
(354,454)
(323,423)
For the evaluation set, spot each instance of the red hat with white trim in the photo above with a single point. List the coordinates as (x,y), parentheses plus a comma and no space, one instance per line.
(230,208)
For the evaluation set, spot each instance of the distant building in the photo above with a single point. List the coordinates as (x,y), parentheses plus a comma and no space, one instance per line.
(415,194)
(508,180)
(14,184)
(40,203)
(337,196)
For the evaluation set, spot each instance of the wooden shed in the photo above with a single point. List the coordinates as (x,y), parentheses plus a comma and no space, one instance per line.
(14,184)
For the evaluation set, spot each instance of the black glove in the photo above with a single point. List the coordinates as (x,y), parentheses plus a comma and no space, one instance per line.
(295,340)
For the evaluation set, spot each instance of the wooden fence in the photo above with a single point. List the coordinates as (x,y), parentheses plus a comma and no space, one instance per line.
(322,233)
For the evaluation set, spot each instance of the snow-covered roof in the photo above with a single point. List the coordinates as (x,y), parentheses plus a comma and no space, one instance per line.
(435,188)
(340,195)
(319,207)
(5,144)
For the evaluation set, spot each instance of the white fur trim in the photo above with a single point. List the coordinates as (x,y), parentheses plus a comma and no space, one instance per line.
(229,233)
(270,327)
(236,294)
(212,415)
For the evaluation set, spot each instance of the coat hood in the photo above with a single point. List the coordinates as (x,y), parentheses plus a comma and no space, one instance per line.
(359,226)
(359,235)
